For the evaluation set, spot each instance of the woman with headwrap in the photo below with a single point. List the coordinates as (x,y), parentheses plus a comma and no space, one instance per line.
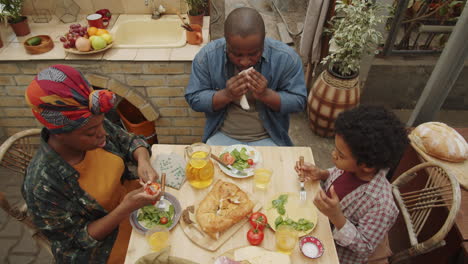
(77,187)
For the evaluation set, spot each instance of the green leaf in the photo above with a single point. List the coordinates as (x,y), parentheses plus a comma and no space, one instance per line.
(278,221)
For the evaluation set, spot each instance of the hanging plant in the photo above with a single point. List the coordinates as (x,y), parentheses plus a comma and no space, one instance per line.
(354,34)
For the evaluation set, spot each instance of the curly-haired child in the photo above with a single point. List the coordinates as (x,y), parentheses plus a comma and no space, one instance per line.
(358,198)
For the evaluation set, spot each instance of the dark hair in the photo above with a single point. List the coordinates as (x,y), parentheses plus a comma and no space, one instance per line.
(244,21)
(374,134)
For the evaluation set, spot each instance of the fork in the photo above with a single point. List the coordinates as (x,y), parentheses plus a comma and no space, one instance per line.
(162,205)
(302,193)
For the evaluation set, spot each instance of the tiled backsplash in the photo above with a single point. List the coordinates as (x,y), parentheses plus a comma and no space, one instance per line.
(115,6)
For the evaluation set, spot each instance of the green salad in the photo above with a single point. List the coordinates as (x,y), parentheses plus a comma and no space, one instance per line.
(150,216)
(241,159)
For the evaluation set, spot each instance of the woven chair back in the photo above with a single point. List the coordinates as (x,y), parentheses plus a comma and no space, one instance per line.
(441,189)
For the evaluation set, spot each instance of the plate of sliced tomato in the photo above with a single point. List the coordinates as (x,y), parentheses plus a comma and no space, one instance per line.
(241,157)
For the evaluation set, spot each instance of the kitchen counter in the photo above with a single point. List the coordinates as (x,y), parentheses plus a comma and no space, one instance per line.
(13,49)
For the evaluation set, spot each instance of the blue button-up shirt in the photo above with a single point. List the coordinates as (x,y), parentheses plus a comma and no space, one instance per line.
(280,65)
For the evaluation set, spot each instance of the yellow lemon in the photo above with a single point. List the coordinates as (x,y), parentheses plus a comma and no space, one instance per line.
(107,38)
(198,159)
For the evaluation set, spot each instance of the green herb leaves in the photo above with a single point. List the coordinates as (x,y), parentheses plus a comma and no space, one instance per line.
(301,225)
(279,204)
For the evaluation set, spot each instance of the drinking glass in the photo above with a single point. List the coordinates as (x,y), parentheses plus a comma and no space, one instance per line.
(157,238)
(262,178)
(286,239)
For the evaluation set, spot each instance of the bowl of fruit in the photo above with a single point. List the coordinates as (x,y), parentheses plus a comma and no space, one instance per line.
(86,40)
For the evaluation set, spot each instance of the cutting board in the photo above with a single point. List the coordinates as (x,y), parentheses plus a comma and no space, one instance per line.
(459,169)
(205,241)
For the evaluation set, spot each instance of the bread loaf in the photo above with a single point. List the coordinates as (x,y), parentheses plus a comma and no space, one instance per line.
(440,141)
(225,205)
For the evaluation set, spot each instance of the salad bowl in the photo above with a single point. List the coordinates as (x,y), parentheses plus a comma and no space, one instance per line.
(152,217)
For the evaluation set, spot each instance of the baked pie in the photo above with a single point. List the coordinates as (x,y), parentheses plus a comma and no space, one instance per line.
(225,205)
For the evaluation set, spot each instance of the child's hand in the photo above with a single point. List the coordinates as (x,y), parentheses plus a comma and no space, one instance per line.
(309,171)
(330,206)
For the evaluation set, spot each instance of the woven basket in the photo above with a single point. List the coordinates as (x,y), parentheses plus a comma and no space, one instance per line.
(328,97)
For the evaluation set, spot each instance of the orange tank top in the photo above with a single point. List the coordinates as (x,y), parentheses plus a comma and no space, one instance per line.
(100,173)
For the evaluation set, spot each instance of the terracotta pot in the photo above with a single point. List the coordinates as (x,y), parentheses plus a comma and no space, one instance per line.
(194,37)
(21,28)
(135,122)
(196,19)
(329,96)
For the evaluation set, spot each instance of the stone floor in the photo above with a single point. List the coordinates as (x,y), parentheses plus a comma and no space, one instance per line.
(16,245)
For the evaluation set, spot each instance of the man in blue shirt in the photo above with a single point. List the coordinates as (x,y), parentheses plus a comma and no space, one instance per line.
(274,87)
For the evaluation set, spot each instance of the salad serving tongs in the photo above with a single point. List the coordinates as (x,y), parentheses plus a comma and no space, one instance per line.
(227,166)
(302,192)
(162,204)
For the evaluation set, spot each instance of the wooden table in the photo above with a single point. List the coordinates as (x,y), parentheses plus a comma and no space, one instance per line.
(281,160)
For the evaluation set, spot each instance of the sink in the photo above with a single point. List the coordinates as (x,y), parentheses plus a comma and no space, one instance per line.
(140,31)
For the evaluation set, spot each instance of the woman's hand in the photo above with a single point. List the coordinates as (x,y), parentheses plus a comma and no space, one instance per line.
(146,171)
(330,206)
(139,198)
(311,172)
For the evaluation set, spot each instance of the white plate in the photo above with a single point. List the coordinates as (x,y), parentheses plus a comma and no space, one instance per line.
(255,156)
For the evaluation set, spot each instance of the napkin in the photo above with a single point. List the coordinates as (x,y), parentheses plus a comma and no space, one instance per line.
(174,166)
(162,257)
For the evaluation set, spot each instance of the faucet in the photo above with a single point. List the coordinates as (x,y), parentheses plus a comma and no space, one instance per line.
(157,12)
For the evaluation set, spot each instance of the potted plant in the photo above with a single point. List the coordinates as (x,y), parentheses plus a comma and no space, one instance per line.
(10,11)
(337,88)
(196,11)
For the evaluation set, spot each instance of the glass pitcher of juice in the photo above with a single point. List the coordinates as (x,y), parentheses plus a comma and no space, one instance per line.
(200,169)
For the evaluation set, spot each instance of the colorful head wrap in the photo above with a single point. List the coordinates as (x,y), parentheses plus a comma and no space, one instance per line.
(63,100)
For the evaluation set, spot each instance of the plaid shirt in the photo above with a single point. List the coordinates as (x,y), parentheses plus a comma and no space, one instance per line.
(61,209)
(370,212)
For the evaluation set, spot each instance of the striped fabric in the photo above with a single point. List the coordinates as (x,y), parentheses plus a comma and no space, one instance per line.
(63,100)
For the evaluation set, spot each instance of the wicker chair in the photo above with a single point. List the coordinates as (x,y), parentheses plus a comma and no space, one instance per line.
(15,154)
(441,189)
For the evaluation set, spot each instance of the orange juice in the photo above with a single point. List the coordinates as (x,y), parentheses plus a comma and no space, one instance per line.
(158,239)
(200,170)
(286,239)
